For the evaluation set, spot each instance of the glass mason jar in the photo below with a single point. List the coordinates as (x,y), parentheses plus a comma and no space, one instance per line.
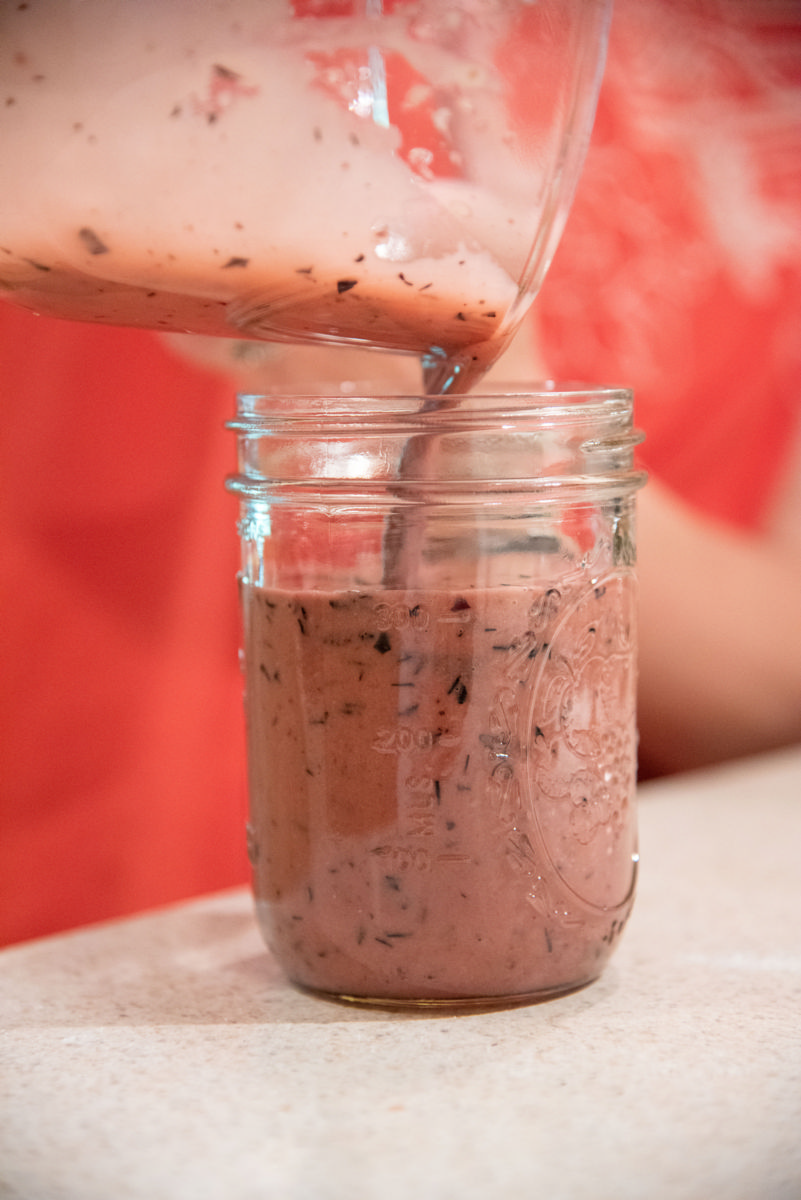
(439,653)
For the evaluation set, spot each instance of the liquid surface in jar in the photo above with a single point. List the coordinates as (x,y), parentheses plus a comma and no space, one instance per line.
(442,786)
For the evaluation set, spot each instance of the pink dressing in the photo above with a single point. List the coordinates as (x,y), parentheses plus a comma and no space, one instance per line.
(442,786)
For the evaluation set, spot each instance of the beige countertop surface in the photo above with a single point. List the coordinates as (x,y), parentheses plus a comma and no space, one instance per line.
(165,1057)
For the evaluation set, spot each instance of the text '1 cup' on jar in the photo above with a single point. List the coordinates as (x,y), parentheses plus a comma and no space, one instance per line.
(439,608)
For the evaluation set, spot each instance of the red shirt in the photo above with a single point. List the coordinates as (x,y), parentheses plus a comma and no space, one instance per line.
(679,273)
(122,781)
(122,757)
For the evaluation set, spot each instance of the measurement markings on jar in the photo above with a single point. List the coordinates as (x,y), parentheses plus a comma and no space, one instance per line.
(416,858)
(390,617)
(420,797)
(405,858)
(405,740)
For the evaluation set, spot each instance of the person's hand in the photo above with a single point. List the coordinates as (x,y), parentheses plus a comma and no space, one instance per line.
(720,638)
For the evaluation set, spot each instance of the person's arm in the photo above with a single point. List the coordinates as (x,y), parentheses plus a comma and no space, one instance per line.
(720,638)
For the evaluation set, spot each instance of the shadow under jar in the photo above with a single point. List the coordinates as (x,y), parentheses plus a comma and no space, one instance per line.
(440,657)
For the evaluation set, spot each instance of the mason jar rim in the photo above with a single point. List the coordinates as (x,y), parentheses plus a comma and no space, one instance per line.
(589,429)
(549,403)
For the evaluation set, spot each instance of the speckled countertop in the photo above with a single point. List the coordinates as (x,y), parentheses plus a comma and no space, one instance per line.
(165,1057)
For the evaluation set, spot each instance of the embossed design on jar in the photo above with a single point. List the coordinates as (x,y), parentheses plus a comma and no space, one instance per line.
(560,751)
(580,731)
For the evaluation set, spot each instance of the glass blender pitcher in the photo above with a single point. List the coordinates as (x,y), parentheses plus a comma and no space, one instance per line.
(392,175)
